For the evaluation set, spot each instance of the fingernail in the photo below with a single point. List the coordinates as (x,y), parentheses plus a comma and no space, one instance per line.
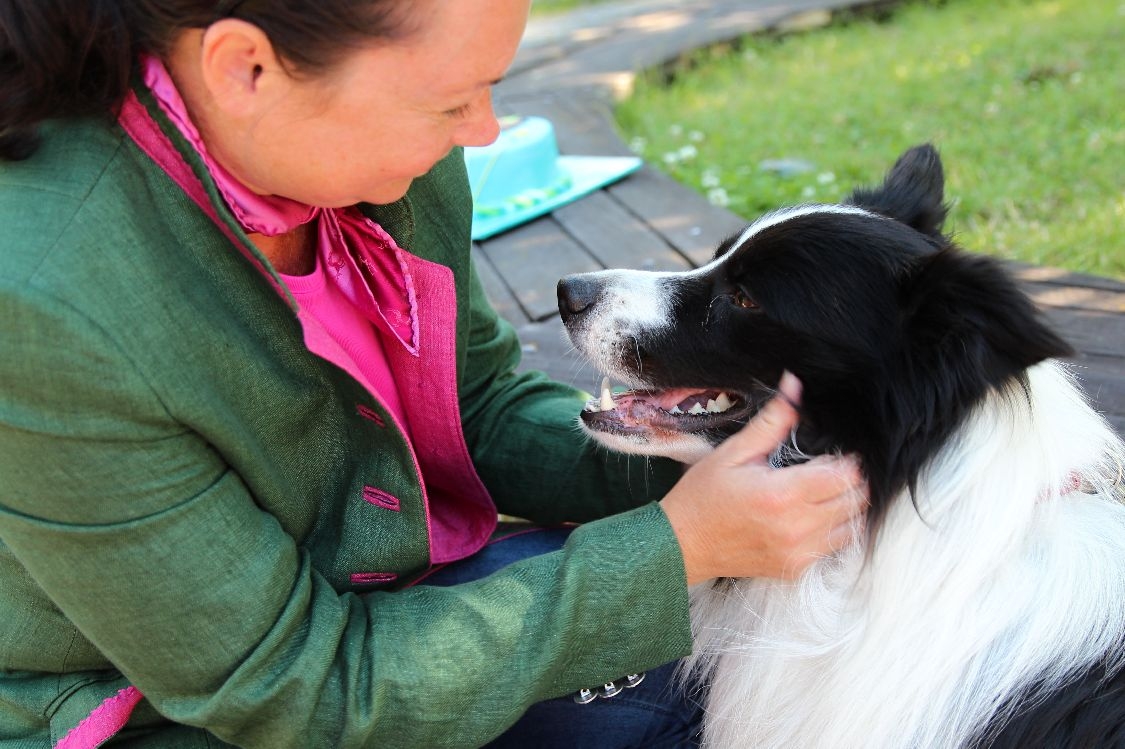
(790,387)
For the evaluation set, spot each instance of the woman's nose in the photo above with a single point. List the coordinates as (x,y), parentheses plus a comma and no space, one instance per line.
(480,127)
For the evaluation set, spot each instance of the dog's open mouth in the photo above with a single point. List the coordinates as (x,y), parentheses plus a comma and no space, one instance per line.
(671,410)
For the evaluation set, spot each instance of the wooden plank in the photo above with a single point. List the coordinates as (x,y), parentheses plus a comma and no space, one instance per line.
(583,127)
(605,54)
(591,129)
(615,237)
(1076,297)
(532,258)
(682,217)
(497,291)
(1060,276)
(1091,332)
(546,348)
(1103,379)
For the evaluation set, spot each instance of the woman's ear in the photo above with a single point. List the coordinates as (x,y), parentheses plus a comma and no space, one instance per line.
(239,67)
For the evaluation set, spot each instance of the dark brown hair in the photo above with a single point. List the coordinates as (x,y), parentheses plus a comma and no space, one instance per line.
(71,58)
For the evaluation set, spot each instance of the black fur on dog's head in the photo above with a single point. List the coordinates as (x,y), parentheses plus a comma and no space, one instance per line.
(895,333)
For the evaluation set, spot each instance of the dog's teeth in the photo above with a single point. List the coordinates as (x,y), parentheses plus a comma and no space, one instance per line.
(676,410)
(697,409)
(606,402)
(713,406)
(722,403)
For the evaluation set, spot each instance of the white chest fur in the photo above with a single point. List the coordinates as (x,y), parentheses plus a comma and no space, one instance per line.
(1004,576)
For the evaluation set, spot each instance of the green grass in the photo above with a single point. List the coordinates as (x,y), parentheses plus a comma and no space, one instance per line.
(1024,98)
(548,7)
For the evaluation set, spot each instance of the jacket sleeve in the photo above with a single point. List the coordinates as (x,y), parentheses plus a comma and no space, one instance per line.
(143,538)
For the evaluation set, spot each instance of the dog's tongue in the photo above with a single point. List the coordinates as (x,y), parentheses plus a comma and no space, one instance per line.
(685,398)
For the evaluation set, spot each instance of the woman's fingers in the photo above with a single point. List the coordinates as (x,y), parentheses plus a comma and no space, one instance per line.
(770,427)
(825,478)
(736,516)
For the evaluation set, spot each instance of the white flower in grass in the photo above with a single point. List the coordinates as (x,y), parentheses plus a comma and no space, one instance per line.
(637,144)
(676,130)
(709,179)
(670,158)
(688,152)
(825,178)
(808,192)
(696,136)
(718,196)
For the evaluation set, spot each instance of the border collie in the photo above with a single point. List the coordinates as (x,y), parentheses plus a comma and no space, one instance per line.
(986,604)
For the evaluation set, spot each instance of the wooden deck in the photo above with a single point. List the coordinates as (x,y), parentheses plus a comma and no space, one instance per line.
(571,69)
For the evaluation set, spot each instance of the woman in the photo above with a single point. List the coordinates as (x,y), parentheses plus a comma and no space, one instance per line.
(253,394)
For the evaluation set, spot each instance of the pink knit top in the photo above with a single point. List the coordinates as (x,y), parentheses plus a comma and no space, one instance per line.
(352,342)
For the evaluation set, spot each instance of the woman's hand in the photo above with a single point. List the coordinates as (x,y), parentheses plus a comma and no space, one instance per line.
(735,516)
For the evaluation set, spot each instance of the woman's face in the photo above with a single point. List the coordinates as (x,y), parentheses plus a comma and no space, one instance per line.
(386,114)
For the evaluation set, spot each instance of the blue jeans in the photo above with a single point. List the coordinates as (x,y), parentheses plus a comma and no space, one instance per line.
(655,714)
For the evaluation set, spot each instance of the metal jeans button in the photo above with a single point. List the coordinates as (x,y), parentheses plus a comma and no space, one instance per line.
(585,696)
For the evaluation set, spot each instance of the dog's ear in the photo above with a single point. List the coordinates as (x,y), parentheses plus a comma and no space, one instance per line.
(965,311)
(913,192)
(965,328)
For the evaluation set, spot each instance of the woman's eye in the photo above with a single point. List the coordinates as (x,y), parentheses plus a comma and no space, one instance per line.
(742,299)
(459,112)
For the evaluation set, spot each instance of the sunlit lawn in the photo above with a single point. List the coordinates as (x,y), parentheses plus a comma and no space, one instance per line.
(547,7)
(1024,98)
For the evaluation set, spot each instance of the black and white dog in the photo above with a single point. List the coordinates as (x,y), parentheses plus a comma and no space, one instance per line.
(986,607)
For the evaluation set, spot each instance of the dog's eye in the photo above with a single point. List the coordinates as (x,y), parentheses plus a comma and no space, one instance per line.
(742,299)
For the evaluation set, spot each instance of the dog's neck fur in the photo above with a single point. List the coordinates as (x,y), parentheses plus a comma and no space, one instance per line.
(997,579)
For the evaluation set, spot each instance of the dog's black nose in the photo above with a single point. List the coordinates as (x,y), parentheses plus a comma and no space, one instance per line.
(577,293)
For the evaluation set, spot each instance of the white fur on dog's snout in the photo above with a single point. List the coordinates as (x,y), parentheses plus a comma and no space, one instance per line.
(631,303)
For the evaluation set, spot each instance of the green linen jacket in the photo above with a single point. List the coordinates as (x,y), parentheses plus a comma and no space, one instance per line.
(178,477)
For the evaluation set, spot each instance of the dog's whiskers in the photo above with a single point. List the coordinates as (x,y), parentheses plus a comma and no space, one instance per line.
(710,306)
(637,350)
